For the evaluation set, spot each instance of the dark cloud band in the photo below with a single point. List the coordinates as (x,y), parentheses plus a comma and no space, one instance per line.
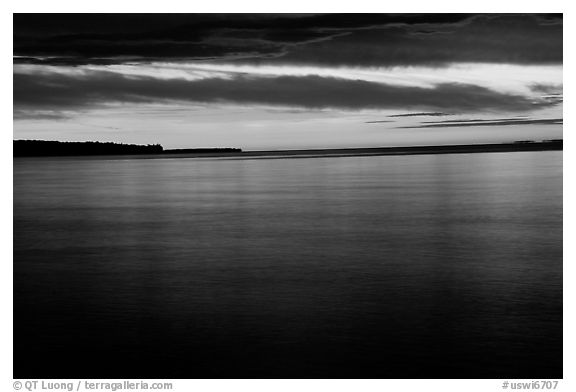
(330,40)
(60,91)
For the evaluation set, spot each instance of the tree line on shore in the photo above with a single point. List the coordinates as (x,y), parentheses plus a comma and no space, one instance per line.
(32,148)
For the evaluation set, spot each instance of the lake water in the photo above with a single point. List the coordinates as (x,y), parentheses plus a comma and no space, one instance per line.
(431,266)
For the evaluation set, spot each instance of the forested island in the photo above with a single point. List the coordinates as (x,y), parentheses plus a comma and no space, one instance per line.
(44,148)
(36,148)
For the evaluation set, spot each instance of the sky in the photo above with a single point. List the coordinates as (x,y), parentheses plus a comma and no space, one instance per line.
(288,81)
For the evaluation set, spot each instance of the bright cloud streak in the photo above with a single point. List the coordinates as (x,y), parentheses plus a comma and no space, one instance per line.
(504,78)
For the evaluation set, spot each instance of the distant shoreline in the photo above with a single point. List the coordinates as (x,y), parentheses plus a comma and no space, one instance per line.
(550,145)
(556,145)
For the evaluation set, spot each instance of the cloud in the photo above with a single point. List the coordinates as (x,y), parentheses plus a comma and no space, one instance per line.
(514,39)
(33,114)
(487,123)
(419,114)
(434,114)
(81,90)
(475,120)
(552,89)
(332,39)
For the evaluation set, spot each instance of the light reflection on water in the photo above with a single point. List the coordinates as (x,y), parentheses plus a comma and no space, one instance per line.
(445,266)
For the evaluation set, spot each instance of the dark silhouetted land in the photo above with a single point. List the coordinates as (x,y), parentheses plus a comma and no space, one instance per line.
(547,145)
(36,148)
(40,148)
(202,150)
(31,148)
(523,145)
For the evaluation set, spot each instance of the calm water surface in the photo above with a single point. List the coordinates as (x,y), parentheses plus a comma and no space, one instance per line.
(436,266)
